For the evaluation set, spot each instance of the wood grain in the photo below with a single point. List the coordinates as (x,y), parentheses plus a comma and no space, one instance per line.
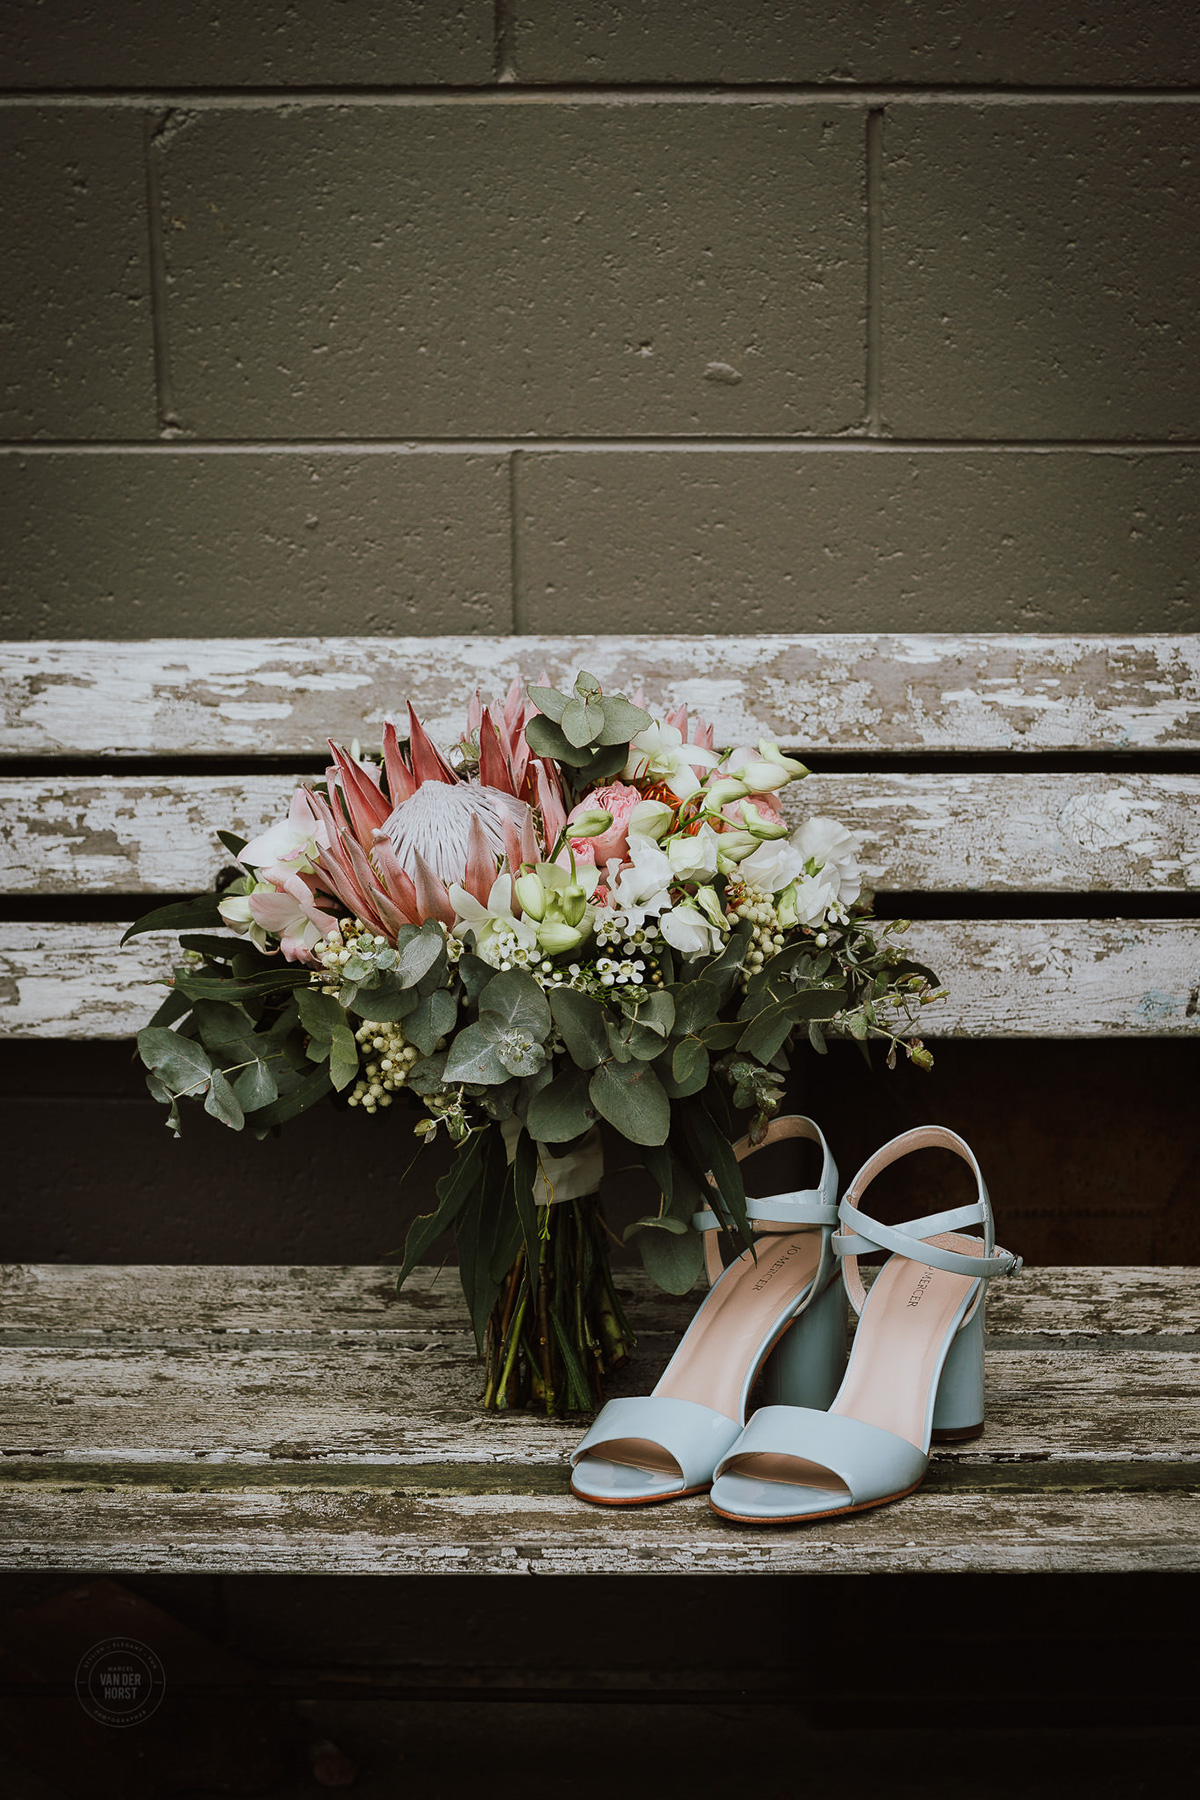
(367,1532)
(867,692)
(237,1400)
(114,1303)
(974,833)
(1015,978)
(282,1419)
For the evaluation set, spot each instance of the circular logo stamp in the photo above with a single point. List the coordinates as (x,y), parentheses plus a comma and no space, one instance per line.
(120,1681)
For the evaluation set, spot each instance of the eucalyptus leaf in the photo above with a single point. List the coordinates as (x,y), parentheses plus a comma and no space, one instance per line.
(420,953)
(582,722)
(689,1066)
(256,1086)
(249,987)
(432,1018)
(222,1102)
(672,1261)
(580,1020)
(473,1056)
(655,1222)
(563,1109)
(182,1065)
(216,949)
(516,1000)
(631,1097)
(697,1004)
(656,1011)
(768,1030)
(387,1002)
(320,1015)
(166,1098)
(603,762)
(622,720)
(545,738)
(297,1099)
(343,1058)
(428,1076)
(474,974)
(172,1008)
(549,701)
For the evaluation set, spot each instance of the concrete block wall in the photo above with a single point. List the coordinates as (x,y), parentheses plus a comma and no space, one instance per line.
(456,315)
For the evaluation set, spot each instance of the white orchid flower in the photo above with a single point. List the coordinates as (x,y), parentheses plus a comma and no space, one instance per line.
(497,916)
(557,901)
(290,845)
(660,754)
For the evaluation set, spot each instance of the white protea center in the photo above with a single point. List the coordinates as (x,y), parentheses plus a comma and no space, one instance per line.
(436,821)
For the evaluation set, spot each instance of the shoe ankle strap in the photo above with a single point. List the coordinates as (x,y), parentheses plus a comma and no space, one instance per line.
(861,1234)
(780,1212)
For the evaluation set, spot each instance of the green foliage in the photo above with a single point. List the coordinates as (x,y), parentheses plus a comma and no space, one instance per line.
(330,1038)
(181,914)
(586,730)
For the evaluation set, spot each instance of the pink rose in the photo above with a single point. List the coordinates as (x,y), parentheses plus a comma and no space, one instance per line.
(618,799)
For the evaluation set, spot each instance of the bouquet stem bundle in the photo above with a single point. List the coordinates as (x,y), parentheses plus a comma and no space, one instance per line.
(557,1328)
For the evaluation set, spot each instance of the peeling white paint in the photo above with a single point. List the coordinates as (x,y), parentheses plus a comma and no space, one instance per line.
(853,691)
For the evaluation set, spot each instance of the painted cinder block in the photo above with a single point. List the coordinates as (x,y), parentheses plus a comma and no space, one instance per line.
(246,43)
(176,543)
(1039,271)
(521,267)
(76,342)
(1107,43)
(857,540)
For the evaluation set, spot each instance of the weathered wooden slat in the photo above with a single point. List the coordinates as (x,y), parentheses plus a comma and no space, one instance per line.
(245,697)
(157,1530)
(282,1419)
(1015,978)
(980,833)
(47,1303)
(404,1403)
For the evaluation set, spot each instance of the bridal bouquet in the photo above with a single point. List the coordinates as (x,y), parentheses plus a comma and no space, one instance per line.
(577,913)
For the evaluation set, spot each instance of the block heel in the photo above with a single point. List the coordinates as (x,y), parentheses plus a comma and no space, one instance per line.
(958,1408)
(807,1364)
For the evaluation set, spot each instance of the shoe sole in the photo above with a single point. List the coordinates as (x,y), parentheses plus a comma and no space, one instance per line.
(639,1499)
(811,1518)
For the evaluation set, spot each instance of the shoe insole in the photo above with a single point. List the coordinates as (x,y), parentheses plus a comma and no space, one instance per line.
(711,1364)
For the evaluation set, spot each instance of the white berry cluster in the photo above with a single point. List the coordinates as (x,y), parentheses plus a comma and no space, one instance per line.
(352,942)
(393,1059)
(767,937)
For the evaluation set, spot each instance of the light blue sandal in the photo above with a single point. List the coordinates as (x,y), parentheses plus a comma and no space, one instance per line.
(785,1304)
(915,1371)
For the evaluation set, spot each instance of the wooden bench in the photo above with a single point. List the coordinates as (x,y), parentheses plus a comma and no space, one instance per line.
(240,1418)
